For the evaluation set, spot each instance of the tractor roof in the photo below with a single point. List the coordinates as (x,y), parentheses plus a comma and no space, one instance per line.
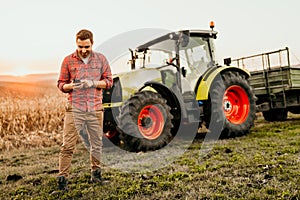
(175,35)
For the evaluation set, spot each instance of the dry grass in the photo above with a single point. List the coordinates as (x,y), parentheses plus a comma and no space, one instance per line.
(31,115)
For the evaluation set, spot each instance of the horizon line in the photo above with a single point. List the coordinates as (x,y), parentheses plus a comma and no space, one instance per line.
(33,73)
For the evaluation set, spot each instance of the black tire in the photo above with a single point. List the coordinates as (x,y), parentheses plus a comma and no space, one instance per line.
(275,115)
(227,91)
(150,131)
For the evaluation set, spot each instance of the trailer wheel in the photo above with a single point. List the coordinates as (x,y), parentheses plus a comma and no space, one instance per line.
(233,99)
(144,122)
(275,115)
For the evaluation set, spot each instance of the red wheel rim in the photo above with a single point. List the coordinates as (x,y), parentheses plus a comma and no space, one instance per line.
(151,122)
(236,104)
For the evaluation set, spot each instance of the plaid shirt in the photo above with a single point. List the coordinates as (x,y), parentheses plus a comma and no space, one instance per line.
(97,68)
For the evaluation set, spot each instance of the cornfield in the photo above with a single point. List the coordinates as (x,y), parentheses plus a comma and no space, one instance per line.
(31,115)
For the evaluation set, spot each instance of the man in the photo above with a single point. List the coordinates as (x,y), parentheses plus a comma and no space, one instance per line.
(83,75)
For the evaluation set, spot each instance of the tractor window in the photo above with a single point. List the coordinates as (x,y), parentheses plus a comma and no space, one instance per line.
(197,54)
(157,57)
(195,58)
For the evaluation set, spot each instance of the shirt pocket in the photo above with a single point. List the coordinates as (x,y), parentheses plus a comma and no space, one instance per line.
(95,72)
(76,73)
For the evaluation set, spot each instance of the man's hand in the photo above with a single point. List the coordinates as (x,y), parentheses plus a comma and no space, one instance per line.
(72,86)
(88,83)
(77,85)
(92,83)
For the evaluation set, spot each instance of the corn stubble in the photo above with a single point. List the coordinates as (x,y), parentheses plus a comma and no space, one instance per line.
(31,116)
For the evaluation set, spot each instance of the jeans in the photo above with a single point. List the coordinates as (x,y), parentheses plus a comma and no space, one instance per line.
(75,121)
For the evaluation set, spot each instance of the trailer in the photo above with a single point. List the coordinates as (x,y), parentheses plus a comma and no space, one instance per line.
(275,81)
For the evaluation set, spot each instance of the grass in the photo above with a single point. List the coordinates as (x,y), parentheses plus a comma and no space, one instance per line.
(261,165)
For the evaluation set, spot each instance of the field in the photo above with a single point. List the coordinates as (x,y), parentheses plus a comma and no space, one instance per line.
(31,115)
(264,164)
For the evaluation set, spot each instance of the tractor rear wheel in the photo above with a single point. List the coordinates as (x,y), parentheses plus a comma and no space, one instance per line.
(233,101)
(145,122)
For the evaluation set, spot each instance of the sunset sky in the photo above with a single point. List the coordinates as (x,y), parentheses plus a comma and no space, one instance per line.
(37,35)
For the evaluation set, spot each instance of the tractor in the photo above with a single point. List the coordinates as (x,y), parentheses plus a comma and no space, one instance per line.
(173,82)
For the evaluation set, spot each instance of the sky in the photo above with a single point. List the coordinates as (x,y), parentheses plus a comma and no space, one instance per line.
(36,35)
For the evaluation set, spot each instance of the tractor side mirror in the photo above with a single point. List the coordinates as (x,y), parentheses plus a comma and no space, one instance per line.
(183,71)
(227,61)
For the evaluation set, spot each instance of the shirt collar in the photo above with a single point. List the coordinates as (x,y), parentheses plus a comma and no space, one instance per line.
(75,55)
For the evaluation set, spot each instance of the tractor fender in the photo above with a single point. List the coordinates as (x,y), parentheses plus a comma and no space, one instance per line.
(173,97)
(202,91)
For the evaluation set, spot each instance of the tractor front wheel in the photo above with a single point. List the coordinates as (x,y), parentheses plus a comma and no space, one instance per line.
(145,122)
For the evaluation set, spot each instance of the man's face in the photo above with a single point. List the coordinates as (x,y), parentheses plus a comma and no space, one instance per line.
(84,47)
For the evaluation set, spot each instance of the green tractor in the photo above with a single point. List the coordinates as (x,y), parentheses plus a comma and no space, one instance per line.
(175,82)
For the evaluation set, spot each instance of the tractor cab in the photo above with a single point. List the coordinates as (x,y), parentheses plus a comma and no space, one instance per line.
(174,82)
(189,52)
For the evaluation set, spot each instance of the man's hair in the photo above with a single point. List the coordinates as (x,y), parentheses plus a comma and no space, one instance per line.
(85,34)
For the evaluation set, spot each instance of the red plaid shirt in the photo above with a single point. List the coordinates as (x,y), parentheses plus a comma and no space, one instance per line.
(97,68)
